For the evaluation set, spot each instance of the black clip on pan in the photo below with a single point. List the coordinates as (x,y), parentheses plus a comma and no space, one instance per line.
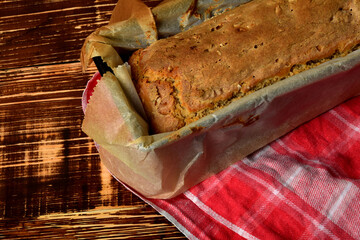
(102,66)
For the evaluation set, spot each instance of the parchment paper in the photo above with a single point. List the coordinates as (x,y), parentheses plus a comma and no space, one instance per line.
(164,165)
(133,25)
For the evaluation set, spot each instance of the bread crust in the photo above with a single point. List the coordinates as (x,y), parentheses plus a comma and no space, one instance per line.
(187,76)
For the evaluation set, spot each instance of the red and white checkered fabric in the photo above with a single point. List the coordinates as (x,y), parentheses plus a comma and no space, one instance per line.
(305,185)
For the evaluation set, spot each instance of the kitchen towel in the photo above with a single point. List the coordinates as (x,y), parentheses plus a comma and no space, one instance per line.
(305,185)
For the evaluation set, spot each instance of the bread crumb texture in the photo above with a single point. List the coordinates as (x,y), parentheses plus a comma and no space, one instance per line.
(192,74)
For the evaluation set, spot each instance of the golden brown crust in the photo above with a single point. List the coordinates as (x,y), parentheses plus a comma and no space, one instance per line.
(185,77)
(157,97)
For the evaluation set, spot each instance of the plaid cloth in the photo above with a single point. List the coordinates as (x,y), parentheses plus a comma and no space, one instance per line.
(304,185)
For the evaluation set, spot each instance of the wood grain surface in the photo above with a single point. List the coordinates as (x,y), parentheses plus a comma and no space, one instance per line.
(52,183)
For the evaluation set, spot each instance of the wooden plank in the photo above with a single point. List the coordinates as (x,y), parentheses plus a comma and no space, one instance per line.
(135,222)
(38,33)
(48,32)
(52,183)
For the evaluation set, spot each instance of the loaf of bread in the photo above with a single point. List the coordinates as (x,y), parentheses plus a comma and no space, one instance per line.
(192,74)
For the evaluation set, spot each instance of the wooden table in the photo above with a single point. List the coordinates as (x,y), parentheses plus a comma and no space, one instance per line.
(52,183)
